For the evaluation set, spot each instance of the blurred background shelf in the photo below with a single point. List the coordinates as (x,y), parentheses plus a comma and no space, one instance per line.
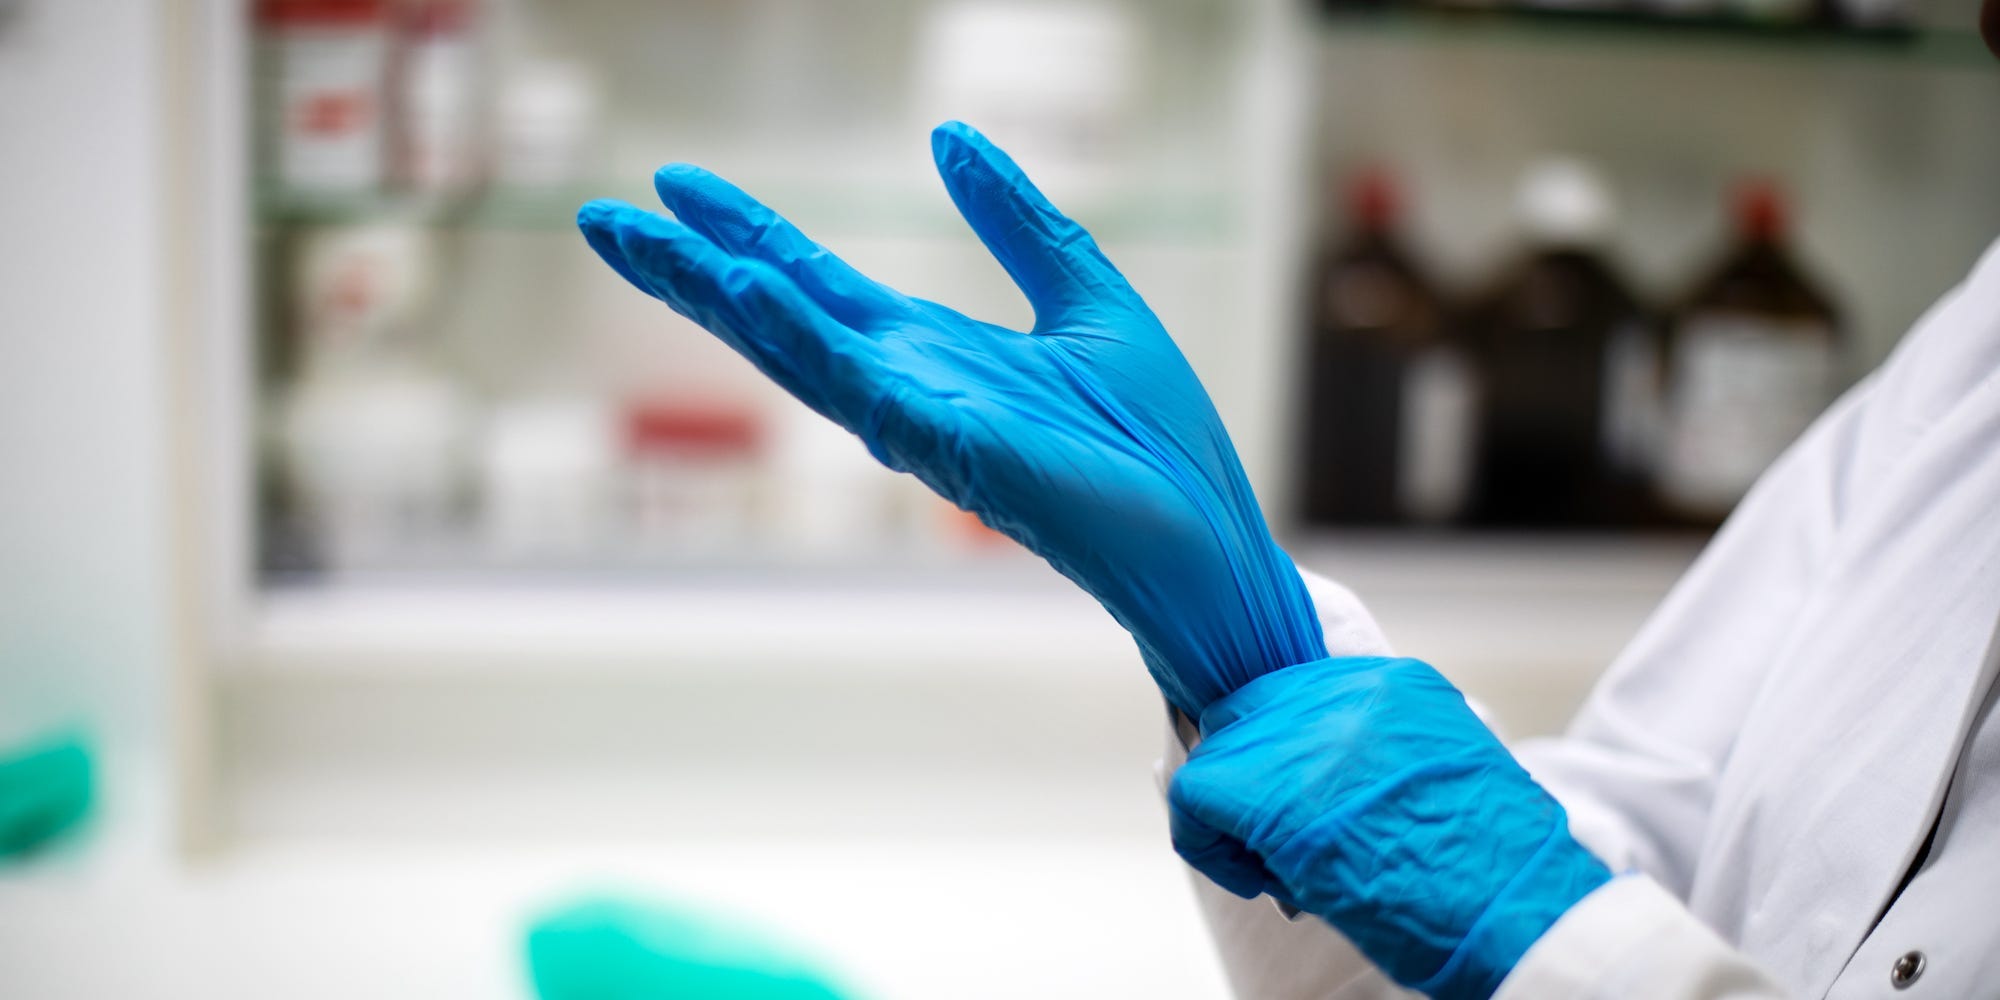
(1689,38)
(1005,708)
(1524,623)
(487,574)
(513,603)
(534,586)
(1135,215)
(777,624)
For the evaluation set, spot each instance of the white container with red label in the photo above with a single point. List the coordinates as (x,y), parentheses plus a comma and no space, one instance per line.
(327,66)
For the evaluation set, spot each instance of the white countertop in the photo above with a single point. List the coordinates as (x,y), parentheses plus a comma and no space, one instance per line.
(896,921)
(944,789)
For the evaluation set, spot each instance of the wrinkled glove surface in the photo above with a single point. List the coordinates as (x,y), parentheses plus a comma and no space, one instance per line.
(1364,791)
(1087,439)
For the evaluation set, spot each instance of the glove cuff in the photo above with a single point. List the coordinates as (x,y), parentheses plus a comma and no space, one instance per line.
(1489,825)
(1280,684)
(1559,875)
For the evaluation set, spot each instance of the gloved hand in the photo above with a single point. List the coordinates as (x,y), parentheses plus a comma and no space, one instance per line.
(1363,790)
(1088,439)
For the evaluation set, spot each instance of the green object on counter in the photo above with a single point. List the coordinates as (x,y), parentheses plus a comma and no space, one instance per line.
(611,949)
(45,792)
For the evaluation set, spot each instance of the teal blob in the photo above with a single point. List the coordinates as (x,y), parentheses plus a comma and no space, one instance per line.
(613,949)
(45,793)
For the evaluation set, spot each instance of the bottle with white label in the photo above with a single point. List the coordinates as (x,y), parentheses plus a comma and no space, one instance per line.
(1753,357)
(1388,400)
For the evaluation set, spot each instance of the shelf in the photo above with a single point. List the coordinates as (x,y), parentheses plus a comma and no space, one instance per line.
(1140,215)
(881,629)
(1504,616)
(1947,48)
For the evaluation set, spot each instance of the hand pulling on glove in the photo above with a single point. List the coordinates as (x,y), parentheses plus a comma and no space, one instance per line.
(1364,791)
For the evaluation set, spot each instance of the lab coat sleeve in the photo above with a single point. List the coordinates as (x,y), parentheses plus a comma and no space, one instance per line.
(1349,629)
(1637,769)
(1632,939)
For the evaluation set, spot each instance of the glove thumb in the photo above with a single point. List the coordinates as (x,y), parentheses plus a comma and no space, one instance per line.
(1056,264)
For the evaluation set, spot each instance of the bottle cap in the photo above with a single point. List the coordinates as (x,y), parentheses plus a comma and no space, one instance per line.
(322,13)
(1760,210)
(434,18)
(1373,203)
(1563,200)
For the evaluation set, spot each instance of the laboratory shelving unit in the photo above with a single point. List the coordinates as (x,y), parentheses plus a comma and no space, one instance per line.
(896,761)
(311,694)
(380,704)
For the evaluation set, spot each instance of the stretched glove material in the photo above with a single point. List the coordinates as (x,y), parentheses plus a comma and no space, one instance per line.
(1364,791)
(1088,439)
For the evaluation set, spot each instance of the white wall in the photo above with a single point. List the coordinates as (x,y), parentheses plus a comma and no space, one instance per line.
(82,500)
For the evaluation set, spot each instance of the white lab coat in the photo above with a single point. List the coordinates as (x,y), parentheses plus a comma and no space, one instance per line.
(1767,760)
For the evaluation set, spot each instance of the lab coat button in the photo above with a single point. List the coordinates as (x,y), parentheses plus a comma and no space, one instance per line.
(1906,970)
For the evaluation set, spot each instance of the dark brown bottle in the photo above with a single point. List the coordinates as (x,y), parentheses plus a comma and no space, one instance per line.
(1567,367)
(1753,356)
(1386,401)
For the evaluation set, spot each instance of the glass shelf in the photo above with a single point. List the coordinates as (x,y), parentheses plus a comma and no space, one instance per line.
(1931,47)
(1144,215)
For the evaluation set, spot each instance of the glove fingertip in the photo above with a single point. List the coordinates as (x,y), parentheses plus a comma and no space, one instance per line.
(676,183)
(1223,859)
(600,213)
(649,239)
(680,171)
(1191,833)
(599,222)
(1225,863)
(969,161)
(952,135)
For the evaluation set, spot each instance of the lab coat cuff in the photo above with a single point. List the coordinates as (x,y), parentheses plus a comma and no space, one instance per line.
(1182,735)
(1631,939)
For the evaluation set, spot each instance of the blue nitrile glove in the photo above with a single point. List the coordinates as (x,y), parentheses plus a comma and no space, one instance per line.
(1363,790)
(1089,440)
